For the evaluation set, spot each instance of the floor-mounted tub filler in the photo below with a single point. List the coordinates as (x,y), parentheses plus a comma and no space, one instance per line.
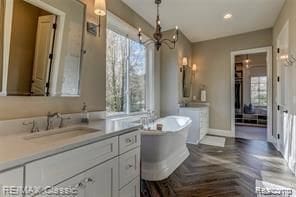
(164,151)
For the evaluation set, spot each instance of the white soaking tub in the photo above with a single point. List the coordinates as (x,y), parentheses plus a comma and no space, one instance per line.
(163,151)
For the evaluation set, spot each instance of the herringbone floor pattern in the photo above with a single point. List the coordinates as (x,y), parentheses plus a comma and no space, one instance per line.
(229,171)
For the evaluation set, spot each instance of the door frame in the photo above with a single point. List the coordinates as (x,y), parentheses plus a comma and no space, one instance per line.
(268,51)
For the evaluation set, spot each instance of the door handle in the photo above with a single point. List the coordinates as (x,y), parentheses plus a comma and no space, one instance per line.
(286,111)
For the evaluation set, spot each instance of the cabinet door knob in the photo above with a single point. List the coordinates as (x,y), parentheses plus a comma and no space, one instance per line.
(129,166)
(89,180)
(80,185)
(128,140)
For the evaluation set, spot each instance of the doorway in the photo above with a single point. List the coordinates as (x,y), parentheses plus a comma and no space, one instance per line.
(28,74)
(251,77)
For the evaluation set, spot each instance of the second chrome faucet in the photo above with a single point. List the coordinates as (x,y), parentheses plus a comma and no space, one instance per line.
(52,116)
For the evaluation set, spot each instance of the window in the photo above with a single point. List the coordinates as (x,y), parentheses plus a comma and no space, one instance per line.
(259,91)
(126,74)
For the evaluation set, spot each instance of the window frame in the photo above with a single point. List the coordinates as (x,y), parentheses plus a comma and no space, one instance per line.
(259,104)
(122,28)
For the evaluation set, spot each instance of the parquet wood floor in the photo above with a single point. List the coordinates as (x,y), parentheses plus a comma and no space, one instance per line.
(229,171)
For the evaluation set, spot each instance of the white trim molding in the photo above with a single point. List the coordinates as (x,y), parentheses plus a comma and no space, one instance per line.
(267,50)
(219,132)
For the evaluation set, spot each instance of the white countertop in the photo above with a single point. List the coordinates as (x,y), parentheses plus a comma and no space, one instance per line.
(16,151)
(196,105)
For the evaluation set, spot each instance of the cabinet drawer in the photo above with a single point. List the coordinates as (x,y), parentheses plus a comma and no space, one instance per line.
(129,141)
(100,181)
(52,170)
(132,189)
(129,166)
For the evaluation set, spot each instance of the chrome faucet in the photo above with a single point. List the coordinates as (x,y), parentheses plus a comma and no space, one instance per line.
(62,120)
(50,117)
(34,128)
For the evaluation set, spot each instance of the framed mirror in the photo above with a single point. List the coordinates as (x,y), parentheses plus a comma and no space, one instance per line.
(41,47)
(186,81)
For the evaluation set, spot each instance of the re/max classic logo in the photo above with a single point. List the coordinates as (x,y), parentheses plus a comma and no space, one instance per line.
(10,191)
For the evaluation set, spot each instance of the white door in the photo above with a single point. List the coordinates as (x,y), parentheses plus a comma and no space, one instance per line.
(43,48)
(12,178)
(282,87)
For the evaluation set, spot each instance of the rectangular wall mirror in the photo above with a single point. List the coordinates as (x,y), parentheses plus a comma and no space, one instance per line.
(41,46)
(186,81)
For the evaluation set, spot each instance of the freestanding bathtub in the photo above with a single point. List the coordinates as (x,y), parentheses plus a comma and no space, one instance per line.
(163,151)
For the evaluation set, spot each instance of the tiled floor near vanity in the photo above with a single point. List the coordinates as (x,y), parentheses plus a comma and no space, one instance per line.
(229,171)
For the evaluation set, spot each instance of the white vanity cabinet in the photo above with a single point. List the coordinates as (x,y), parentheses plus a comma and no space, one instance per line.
(11,178)
(200,122)
(108,168)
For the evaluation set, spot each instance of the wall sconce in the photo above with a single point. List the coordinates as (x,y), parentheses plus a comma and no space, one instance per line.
(184,63)
(99,10)
(194,69)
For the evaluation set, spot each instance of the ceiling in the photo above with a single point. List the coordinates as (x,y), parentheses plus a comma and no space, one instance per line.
(203,19)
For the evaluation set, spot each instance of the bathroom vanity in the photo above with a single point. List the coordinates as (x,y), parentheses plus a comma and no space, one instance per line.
(104,162)
(199,114)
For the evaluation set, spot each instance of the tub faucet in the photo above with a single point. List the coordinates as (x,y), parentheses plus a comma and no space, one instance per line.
(152,117)
(148,119)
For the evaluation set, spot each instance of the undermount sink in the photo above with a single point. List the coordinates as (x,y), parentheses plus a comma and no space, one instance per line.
(62,133)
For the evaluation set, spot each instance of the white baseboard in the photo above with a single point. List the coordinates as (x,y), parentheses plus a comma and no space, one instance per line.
(218,132)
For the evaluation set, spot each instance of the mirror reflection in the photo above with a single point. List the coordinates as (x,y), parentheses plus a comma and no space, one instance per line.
(42,47)
(186,81)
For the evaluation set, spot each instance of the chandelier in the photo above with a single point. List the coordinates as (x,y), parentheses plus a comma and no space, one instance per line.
(157,39)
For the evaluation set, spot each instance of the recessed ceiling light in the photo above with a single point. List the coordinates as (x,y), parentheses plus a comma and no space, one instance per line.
(227,16)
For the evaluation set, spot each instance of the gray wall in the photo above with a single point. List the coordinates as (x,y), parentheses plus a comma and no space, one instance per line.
(213,60)
(170,83)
